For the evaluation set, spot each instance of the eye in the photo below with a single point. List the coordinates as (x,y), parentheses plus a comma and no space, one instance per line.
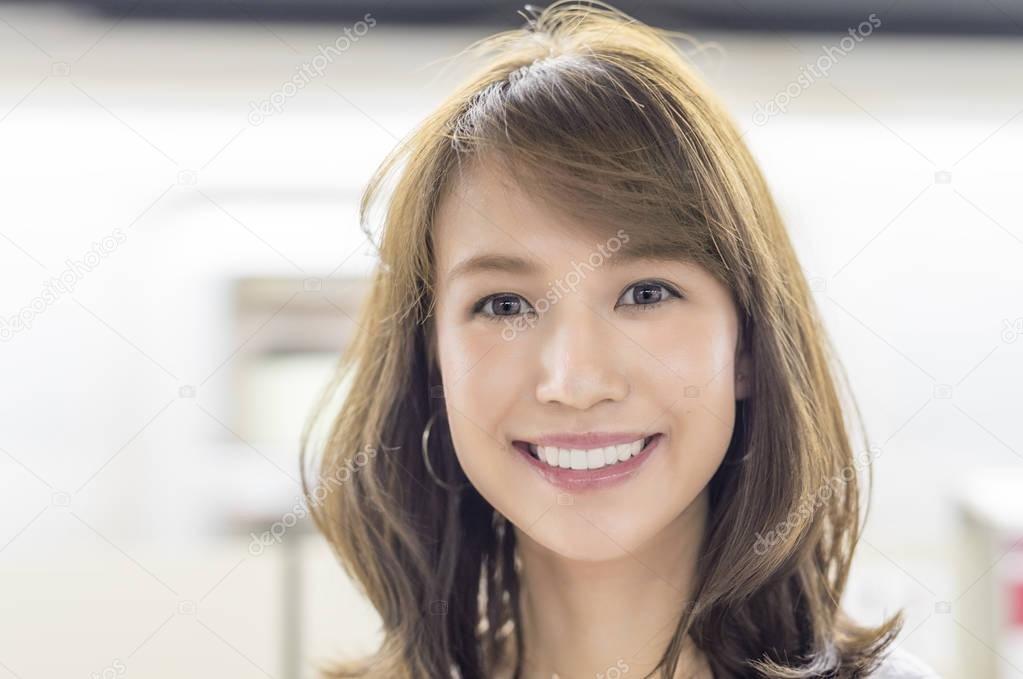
(501,304)
(646,294)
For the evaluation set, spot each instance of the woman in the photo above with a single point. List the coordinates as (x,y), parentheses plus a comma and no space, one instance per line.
(590,417)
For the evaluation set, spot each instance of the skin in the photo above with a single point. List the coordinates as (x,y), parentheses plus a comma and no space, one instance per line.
(605,572)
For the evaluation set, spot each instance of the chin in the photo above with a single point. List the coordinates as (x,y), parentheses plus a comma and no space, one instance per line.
(578,536)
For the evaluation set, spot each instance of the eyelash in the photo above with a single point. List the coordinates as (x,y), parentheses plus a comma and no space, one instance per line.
(477,308)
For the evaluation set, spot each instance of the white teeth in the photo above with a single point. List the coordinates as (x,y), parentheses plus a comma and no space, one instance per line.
(579,459)
(564,458)
(591,458)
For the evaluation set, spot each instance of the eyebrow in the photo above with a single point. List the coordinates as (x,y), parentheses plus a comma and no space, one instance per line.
(487,261)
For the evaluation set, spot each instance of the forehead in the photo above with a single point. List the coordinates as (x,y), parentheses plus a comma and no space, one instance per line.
(484,203)
(488,222)
(486,211)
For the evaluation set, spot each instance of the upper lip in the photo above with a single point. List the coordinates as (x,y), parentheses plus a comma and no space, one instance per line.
(592,439)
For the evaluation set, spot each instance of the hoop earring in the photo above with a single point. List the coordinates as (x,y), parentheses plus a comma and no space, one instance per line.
(429,466)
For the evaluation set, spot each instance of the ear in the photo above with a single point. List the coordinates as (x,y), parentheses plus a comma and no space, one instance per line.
(743,376)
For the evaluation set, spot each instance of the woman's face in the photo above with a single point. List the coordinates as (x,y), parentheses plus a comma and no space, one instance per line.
(619,373)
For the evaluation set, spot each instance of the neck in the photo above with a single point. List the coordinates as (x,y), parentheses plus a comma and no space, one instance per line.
(597,618)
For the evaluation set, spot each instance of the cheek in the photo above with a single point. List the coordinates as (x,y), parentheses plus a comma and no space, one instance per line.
(479,370)
(483,380)
(486,385)
(693,356)
(689,376)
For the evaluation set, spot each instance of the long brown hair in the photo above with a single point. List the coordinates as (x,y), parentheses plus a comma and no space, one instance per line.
(606,118)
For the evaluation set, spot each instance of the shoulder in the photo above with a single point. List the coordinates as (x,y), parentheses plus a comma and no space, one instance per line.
(900,664)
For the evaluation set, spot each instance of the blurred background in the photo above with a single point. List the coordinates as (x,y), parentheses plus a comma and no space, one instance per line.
(181,263)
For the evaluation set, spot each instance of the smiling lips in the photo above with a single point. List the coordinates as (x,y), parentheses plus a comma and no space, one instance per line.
(588,461)
(587,458)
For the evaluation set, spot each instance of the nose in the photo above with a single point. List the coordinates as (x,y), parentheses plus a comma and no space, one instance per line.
(581,360)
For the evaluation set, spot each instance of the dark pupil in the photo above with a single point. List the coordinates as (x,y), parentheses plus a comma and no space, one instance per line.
(509,304)
(646,293)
